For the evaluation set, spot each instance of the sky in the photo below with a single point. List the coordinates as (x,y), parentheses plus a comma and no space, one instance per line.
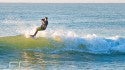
(62,1)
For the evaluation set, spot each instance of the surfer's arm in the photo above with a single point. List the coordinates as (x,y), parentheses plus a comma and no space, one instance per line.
(42,22)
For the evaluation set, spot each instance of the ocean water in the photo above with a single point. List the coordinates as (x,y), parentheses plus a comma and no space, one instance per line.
(78,36)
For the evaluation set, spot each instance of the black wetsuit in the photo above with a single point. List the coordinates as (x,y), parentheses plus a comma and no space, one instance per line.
(44,25)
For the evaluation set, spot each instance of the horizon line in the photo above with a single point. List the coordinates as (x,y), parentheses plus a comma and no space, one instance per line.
(62,2)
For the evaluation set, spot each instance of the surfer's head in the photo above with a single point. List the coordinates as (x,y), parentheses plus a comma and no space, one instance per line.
(46,18)
(42,19)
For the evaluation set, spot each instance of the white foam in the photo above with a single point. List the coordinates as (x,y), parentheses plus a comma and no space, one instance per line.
(90,36)
(91,43)
(42,34)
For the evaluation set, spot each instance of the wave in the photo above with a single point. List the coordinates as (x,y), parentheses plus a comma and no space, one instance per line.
(66,42)
(95,45)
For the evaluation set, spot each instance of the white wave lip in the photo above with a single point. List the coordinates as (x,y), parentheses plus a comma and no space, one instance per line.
(94,44)
(90,43)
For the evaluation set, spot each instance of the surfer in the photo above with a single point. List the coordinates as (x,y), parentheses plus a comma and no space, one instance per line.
(42,27)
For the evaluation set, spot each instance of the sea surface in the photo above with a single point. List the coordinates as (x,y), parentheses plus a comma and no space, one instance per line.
(79,36)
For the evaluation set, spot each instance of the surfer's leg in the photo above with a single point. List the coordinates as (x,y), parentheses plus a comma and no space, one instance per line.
(35,33)
(38,29)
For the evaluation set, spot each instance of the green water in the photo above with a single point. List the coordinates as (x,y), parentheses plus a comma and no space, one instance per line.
(22,42)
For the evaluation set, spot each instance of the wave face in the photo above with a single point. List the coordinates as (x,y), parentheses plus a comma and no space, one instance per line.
(67,43)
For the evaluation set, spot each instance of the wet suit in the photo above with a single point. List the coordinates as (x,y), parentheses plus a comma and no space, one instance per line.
(43,26)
